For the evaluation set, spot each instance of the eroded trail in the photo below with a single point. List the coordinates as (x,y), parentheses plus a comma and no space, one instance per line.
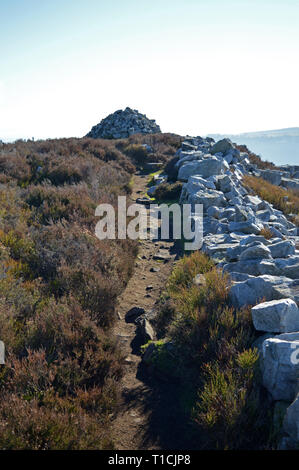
(146,417)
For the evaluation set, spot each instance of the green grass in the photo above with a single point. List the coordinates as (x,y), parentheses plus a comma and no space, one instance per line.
(219,365)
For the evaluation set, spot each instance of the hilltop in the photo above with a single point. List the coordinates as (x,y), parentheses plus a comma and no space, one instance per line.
(123,123)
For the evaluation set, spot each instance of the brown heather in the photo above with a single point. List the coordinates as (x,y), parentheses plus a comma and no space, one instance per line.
(285,200)
(58,290)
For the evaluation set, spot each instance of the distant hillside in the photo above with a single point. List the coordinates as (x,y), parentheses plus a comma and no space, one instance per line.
(279,146)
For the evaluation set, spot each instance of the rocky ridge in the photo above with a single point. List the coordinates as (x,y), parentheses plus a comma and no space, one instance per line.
(123,123)
(262,270)
(286,176)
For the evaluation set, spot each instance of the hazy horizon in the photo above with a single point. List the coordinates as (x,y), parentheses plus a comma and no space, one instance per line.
(197,67)
(211,134)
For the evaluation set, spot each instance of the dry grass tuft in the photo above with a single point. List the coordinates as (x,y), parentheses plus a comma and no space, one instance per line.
(285,200)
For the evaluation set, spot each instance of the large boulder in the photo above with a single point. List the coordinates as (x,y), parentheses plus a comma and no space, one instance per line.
(289,289)
(208,199)
(197,182)
(264,215)
(254,238)
(291,271)
(206,167)
(281,366)
(282,249)
(276,316)
(273,176)
(254,202)
(254,267)
(187,157)
(222,146)
(264,287)
(122,124)
(256,251)
(224,183)
(246,227)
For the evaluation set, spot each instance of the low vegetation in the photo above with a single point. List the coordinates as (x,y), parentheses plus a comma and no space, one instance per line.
(215,342)
(285,200)
(256,159)
(58,290)
(168,192)
(150,148)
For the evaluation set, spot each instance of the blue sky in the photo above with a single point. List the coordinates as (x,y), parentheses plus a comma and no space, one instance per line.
(195,66)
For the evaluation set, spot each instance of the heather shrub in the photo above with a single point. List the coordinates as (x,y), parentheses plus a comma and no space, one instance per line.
(229,405)
(266,233)
(26,425)
(214,341)
(187,268)
(75,261)
(58,290)
(285,200)
(169,192)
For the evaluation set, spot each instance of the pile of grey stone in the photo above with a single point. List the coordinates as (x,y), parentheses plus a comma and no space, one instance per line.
(261,269)
(122,124)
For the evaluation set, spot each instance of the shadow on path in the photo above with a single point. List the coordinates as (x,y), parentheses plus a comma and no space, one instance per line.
(168,426)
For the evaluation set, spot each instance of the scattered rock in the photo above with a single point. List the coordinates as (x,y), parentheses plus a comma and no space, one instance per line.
(245,227)
(264,287)
(134,313)
(161,256)
(206,167)
(145,330)
(282,249)
(276,316)
(280,366)
(154,270)
(259,251)
(199,280)
(273,176)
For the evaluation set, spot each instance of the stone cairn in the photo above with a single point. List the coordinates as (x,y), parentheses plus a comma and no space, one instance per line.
(122,124)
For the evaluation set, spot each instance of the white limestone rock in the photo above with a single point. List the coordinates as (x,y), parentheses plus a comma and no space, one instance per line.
(280,366)
(276,316)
